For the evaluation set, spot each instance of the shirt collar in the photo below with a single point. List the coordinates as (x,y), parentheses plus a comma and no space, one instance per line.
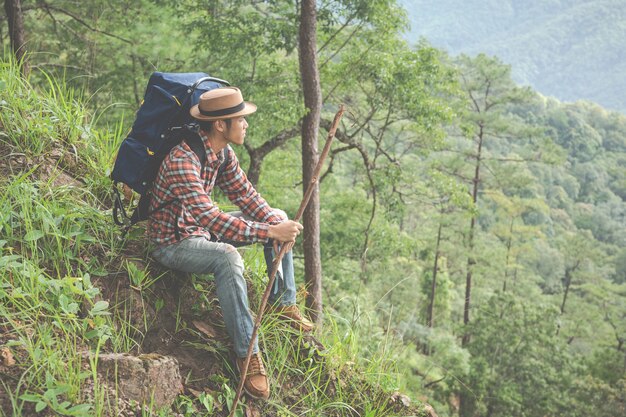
(211,157)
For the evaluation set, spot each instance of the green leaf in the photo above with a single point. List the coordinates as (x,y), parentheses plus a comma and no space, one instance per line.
(30,398)
(40,406)
(33,235)
(9,260)
(79,409)
(100,308)
(67,305)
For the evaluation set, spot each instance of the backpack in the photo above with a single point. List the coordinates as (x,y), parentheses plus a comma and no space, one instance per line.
(162,122)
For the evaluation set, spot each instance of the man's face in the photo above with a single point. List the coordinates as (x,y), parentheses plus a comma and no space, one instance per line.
(236,133)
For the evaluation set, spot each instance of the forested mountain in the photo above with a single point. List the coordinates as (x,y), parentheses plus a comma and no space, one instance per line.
(473,230)
(569,49)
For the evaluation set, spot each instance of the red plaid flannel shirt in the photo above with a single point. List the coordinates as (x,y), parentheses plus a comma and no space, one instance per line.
(193,212)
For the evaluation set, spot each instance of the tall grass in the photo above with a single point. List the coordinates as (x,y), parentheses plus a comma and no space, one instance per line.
(50,243)
(52,239)
(34,119)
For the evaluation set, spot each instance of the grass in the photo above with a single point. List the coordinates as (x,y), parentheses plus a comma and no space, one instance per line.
(57,240)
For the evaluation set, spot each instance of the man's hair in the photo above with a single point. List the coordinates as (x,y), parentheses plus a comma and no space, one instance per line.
(208,126)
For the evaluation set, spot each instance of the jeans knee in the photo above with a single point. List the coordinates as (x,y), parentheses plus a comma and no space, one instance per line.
(229,270)
(231,258)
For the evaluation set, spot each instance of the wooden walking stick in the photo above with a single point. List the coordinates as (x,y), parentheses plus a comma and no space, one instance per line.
(283,250)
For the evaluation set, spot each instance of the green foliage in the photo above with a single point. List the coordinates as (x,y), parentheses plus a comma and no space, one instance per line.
(36,122)
(620,267)
(53,239)
(518,365)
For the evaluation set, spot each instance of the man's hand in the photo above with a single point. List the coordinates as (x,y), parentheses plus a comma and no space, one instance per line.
(286,231)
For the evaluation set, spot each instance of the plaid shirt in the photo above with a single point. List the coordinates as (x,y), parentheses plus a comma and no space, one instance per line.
(193,212)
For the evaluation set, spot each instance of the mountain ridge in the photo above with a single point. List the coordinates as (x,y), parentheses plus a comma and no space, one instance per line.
(571,50)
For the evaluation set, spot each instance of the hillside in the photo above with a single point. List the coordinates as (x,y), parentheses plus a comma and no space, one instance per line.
(567,49)
(91,326)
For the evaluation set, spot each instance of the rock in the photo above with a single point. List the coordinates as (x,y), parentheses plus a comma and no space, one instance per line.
(399,398)
(6,357)
(430,411)
(148,379)
(252,411)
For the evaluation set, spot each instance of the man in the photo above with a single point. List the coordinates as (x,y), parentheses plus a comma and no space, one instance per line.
(193,235)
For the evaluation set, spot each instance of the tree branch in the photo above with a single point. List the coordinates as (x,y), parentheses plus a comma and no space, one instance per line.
(332,155)
(337,32)
(278,140)
(49,8)
(342,45)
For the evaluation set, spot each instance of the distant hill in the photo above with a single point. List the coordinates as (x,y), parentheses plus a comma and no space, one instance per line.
(570,49)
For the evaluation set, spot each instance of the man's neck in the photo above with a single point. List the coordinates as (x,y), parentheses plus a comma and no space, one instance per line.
(216,140)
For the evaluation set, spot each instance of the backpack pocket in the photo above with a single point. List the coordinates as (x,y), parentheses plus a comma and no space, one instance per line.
(152,120)
(131,164)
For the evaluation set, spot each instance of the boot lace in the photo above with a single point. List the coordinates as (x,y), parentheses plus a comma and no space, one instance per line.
(256,365)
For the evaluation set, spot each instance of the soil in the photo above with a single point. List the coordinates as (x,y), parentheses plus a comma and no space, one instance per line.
(56,165)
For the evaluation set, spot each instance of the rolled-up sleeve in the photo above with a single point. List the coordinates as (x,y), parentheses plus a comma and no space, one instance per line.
(235,184)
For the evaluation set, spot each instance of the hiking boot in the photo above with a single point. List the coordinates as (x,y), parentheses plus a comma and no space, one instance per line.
(293,315)
(256,384)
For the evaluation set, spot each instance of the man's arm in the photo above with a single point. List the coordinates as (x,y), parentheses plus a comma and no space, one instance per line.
(235,184)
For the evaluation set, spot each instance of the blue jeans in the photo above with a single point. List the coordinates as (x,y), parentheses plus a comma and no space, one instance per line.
(199,255)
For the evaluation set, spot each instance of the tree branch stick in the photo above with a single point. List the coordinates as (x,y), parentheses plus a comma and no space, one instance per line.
(283,250)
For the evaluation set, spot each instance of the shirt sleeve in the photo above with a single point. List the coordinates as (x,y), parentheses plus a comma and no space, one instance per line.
(186,185)
(235,184)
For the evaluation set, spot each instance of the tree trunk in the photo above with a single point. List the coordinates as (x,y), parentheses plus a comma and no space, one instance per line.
(310,128)
(470,259)
(568,282)
(468,285)
(254,169)
(433,288)
(15,17)
(508,253)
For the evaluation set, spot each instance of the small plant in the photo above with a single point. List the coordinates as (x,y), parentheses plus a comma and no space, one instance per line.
(207,401)
(50,399)
(140,279)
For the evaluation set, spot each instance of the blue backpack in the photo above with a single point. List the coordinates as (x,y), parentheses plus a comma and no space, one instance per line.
(162,121)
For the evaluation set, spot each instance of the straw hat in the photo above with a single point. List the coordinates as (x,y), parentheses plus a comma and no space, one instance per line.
(221,103)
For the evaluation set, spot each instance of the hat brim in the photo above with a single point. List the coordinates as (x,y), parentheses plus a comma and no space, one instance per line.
(249,108)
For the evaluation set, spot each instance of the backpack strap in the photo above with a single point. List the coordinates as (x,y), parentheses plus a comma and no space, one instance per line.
(120,217)
(224,163)
(197,146)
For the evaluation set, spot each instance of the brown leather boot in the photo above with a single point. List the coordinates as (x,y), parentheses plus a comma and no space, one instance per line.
(256,383)
(293,315)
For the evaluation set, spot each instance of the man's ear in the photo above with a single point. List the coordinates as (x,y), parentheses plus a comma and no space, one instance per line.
(219,125)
